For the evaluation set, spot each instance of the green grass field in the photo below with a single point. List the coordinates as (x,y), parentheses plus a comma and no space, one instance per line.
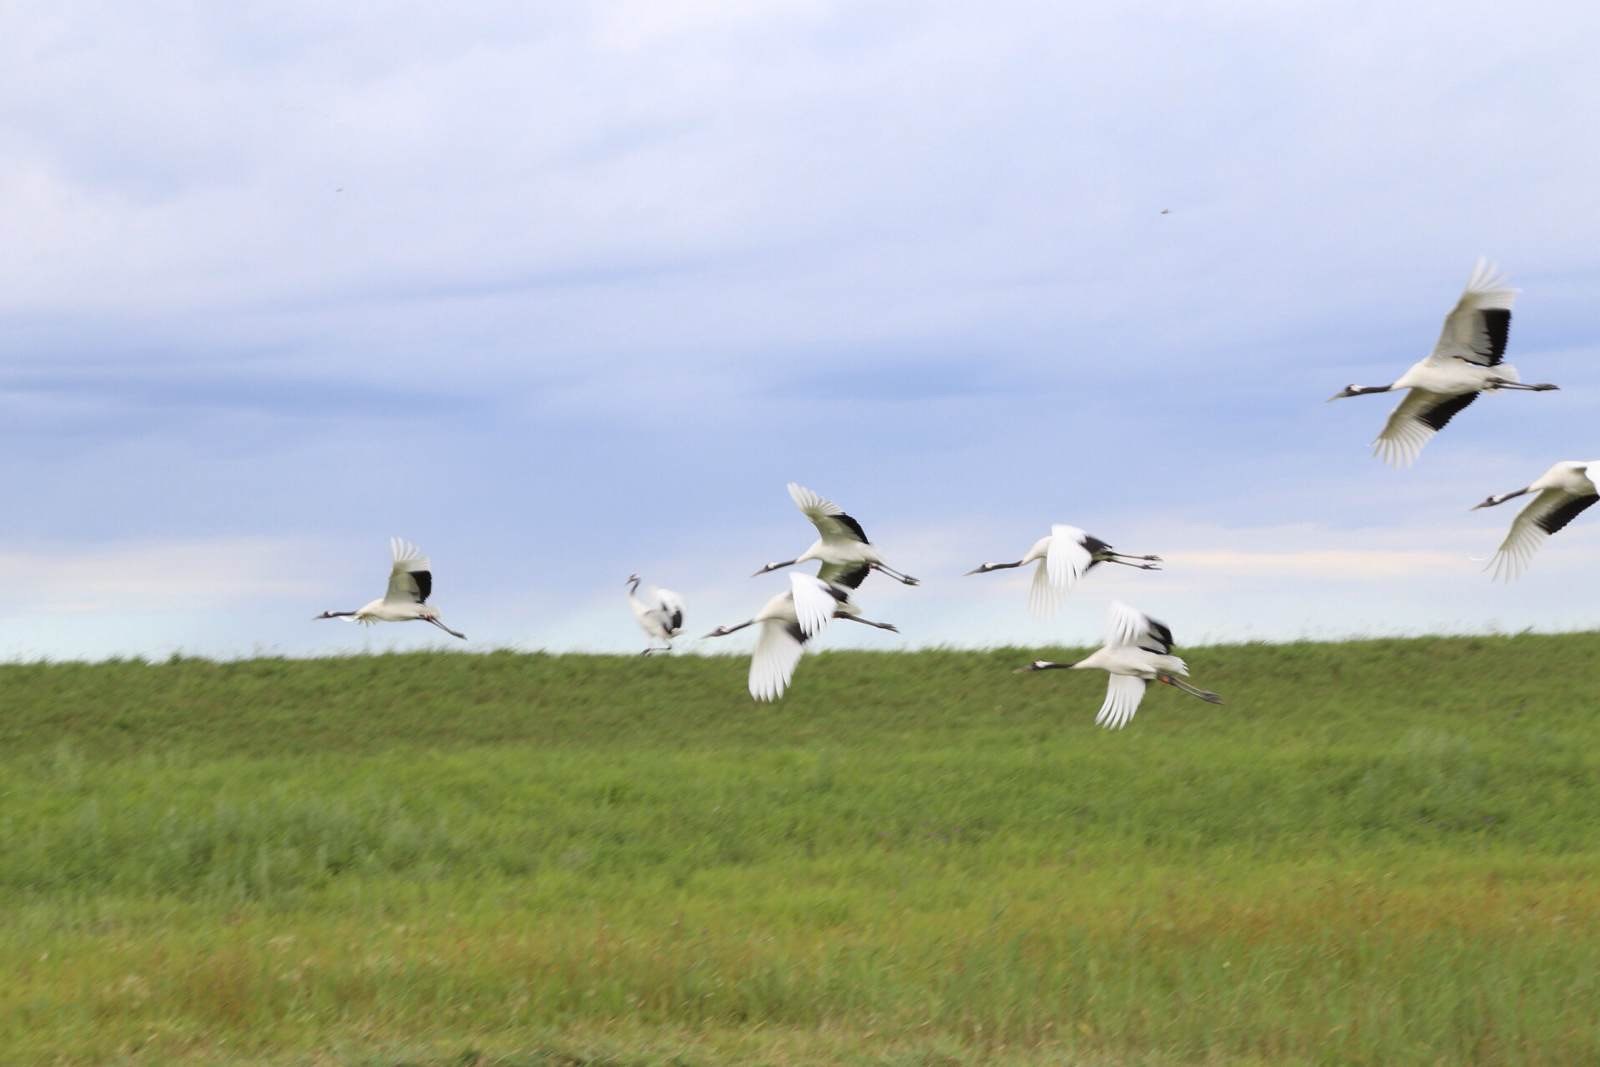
(1381,852)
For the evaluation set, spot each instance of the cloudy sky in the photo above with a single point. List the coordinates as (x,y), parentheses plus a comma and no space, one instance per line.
(564,291)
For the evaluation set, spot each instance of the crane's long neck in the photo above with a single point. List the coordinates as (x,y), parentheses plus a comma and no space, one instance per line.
(1361,390)
(1494,501)
(985,568)
(724,631)
(1047,665)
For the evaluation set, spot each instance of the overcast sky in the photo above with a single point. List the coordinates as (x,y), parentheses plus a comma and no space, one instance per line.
(565,291)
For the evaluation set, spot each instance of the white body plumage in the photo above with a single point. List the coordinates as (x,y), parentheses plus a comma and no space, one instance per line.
(1064,556)
(659,612)
(1137,650)
(1561,494)
(1467,359)
(410,585)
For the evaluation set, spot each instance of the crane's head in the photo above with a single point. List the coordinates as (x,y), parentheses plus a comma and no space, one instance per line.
(633,579)
(1349,390)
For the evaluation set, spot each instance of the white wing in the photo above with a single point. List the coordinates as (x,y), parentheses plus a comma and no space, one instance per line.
(1068,558)
(1549,512)
(777,652)
(1123,693)
(813,603)
(829,518)
(1128,627)
(671,611)
(411,577)
(1477,327)
(1042,595)
(1413,423)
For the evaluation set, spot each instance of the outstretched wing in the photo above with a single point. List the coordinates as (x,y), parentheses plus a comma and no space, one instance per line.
(1547,513)
(1123,693)
(670,606)
(776,655)
(1477,327)
(1413,423)
(829,518)
(1068,557)
(1128,627)
(411,577)
(814,603)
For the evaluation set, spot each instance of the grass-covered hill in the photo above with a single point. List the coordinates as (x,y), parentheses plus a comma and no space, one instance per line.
(1378,852)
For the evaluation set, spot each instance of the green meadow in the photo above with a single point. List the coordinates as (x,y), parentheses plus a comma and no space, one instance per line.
(1381,852)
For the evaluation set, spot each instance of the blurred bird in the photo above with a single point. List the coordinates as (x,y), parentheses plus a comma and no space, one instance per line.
(1138,649)
(1565,490)
(410,583)
(843,546)
(788,621)
(1465,361)
(1064,556)
(659,611)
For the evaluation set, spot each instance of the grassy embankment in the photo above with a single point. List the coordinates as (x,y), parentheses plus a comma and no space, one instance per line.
(1381,852)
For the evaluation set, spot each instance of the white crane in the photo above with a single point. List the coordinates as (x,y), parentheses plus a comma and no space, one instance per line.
(788,621)
(410,582)
(1465,361)
(1065,555)
(659,611)
(1138,650)
(843,547)
(1565,490)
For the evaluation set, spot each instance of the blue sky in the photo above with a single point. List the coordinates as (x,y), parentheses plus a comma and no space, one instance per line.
(562,292)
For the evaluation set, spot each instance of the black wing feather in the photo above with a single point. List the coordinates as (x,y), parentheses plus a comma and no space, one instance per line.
(853,578)
(853,526)
(1438,416)
(1497,325)
(1163,637)
(424,580)
(1558,518)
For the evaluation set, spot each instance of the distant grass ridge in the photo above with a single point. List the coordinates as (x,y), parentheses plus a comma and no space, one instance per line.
(1374,852)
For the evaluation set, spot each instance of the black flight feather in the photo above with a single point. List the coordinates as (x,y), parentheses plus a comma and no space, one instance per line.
(1438,416)
(1558,518)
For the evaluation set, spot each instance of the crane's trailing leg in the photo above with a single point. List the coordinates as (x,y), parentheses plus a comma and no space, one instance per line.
(904,579)
(1141,566)
(443,627)
(1178,683)
(1503,383)
(891,627)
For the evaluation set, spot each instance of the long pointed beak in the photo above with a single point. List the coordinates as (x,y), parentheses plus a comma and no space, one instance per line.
(976,570)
